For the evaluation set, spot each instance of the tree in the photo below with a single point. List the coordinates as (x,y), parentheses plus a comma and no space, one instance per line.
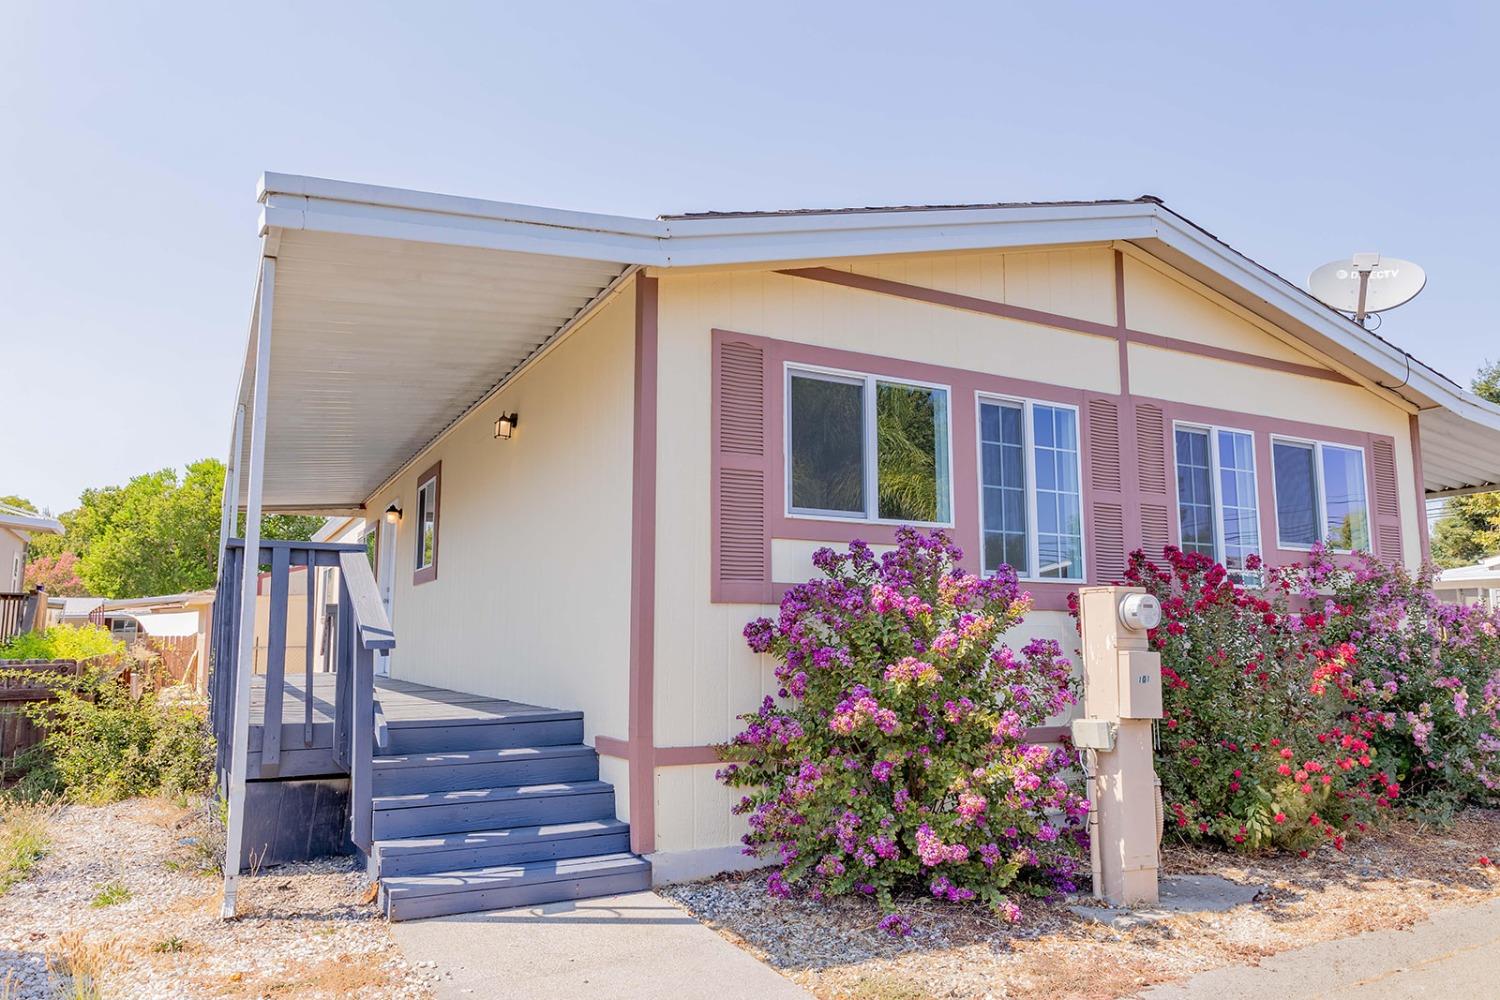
(1469,529)
(157,534)
(58,574)
(19,503)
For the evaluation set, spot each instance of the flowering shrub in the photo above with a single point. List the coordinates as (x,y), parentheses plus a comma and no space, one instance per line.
(1262,743)
(896,755)
(1425,681)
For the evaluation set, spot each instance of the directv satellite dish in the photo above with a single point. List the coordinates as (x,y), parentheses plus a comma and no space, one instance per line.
(1366,283)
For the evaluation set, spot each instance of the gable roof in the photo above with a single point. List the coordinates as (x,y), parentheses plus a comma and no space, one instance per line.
(550,267)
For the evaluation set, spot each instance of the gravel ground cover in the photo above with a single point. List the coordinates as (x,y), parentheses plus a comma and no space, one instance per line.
(125,900)
(1389,879)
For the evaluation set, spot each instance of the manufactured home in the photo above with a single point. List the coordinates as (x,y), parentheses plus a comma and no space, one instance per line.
(592,448)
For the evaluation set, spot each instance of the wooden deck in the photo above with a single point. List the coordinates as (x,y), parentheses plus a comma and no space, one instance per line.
(307,748)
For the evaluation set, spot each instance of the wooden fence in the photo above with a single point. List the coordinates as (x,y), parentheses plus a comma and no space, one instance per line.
(23,683)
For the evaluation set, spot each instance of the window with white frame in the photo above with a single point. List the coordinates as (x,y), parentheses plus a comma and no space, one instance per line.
(425,561)
(1218,513)
(1320,495)
(1031,507)
(867,448)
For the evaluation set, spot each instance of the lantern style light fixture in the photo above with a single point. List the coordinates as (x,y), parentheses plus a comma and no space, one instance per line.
(393,513)
(505,425)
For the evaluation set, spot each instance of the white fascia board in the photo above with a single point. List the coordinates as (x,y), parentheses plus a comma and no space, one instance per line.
(364,219)
(455,205)
(31,522)
(915,232)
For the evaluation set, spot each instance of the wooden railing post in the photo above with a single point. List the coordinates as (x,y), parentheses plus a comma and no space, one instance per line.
(270,732)
(362,752)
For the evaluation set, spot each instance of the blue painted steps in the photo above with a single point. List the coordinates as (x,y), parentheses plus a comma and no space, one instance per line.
(412,896)
(481,804)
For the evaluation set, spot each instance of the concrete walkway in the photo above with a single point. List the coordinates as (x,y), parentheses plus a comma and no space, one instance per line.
(632,947)
(1452,955)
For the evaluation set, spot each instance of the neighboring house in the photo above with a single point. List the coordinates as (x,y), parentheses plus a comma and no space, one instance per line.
(165,616)
(596,447)
(1478,584)
(16,528)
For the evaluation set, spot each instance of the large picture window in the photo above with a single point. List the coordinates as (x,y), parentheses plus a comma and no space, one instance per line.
(1031,506)
(1320,495)
(868,448)
(1217,508)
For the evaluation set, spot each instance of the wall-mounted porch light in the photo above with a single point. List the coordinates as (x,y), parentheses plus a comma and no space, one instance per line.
(393,514)
(505,425)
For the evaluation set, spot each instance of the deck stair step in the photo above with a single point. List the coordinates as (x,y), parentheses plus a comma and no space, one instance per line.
(483,768)
(482,730)
(480,804)
(463,891)
(416,813)
(488,848)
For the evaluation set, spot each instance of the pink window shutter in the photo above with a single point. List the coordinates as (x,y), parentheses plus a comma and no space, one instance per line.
(1106,490)
(1155,494)
(741,547)
(1386,535)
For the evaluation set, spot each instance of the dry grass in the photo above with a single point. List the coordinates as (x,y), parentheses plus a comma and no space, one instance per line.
(1390,879)
(117,908)
(79,963)
(24,841)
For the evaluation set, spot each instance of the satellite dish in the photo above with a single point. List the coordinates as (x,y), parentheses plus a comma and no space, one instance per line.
(1366,283)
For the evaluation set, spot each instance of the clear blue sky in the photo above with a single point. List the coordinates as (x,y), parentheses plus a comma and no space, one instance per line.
(131,137)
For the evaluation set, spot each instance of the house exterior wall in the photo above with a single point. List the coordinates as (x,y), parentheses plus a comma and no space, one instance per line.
(531,597)
(1198,357)
(12,561)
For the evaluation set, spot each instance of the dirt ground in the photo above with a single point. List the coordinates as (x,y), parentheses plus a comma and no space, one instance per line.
(125,904)
(1389,879)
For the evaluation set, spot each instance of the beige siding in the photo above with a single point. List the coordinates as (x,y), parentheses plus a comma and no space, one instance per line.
(532,597)
(1160,301)
(705,675)
(1077,282)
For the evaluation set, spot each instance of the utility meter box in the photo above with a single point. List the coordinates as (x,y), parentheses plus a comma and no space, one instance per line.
(1140,684)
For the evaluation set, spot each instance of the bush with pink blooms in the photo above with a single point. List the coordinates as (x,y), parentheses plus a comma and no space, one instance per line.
(1298,712)
(895,758)
(1425,678)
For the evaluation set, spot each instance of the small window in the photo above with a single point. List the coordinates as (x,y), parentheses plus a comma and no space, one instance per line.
(428,491)
(1218,510)
(867,448)
(1320,495)
(1031,507)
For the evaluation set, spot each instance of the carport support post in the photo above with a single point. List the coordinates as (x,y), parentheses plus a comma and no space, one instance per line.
(249,578)
(1121,696)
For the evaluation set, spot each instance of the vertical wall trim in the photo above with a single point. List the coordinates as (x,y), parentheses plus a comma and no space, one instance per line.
(1415,433)
(1121,325)
(642,729)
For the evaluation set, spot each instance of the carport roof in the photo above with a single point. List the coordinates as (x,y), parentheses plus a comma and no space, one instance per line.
(396,312)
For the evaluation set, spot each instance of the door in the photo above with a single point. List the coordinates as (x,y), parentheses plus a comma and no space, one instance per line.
(385,580)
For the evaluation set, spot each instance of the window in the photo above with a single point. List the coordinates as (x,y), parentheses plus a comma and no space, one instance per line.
(867,448)
(1218,514)
(1030,504)
(428,496)
(1320,495)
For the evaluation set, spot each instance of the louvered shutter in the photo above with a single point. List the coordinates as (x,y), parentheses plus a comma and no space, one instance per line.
(1106,491)
(1387,506)
(1151,465)
(741,548)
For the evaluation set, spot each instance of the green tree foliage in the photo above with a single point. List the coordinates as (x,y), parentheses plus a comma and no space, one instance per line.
(1469,529)
(157,534)
(20,503)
